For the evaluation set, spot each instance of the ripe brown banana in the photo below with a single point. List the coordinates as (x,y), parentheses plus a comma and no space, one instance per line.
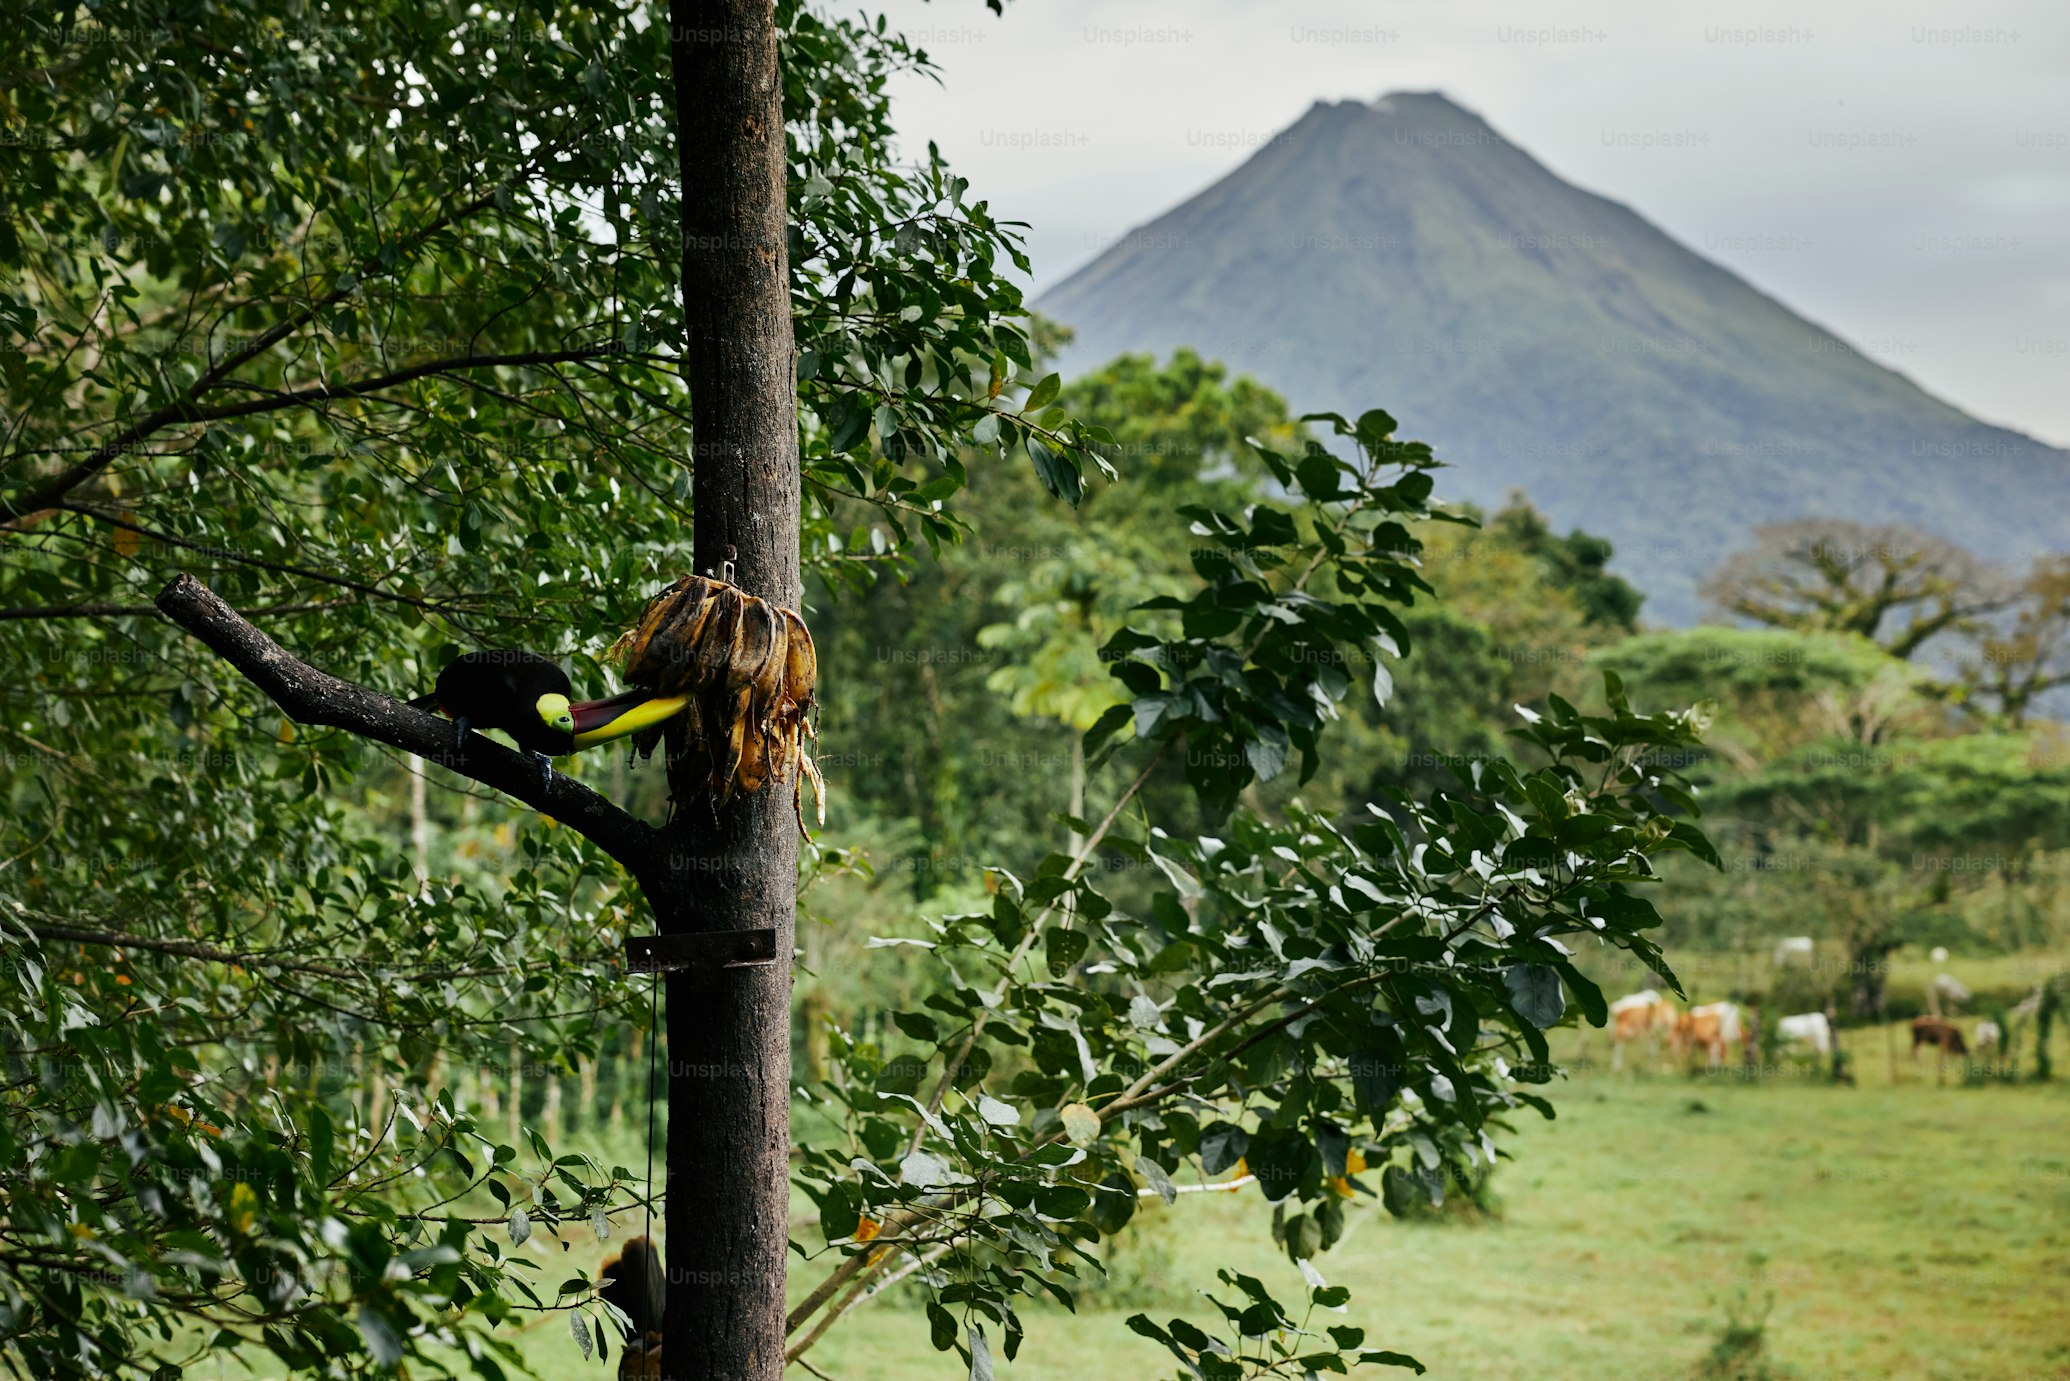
(749,670)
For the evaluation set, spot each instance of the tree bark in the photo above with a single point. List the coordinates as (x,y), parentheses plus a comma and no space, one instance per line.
(729,1033)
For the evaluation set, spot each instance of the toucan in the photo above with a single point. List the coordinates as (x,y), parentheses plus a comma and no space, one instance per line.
(526,696)
(634,1282)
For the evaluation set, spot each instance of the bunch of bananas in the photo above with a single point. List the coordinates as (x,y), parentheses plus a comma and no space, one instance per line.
(748,669)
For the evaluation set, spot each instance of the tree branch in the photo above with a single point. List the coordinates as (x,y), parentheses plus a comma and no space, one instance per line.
(318,393)
(309,696)
(250,959)
(100,611)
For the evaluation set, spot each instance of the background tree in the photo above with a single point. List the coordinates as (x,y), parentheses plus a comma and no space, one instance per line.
(1850,804)
(2014,663)
(1890,583)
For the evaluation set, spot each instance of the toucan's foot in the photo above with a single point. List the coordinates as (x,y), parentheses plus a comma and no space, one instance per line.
(460,728)
(545,770)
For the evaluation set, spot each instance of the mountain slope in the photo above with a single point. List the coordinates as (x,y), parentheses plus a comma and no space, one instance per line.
(1404,255)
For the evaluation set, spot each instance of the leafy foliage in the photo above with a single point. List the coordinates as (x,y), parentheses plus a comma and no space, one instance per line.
(1307,999)
(370,320)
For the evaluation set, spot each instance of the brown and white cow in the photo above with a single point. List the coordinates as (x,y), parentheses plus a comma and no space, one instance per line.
(1641,1014)
(1713,1027)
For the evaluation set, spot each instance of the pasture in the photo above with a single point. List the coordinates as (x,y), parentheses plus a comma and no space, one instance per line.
(1907,1232)
(1915,1230)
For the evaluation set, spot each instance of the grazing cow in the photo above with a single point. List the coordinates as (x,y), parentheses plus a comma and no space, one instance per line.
(1792,947)
(1988,1036)
(1638,1014)
(1810,1028)
(1713,1026)
(1950,989)
(1933,1031)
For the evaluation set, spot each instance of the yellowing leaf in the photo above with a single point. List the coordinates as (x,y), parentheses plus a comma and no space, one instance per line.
(1081,1124)
(127,541)
(244,1208)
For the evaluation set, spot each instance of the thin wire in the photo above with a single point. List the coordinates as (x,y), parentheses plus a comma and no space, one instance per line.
(653,1042)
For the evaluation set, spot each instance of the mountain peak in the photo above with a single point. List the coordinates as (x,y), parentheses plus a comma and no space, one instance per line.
(1392,102)
(1402,254)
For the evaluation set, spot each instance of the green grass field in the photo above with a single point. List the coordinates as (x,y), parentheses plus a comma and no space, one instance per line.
(1902,1232)
(1917,1230)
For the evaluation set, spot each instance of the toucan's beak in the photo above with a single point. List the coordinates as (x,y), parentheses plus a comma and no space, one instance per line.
(600,721)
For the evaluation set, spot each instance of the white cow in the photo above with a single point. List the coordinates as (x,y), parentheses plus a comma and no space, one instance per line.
(1792,947)
(1810,1028)
(1950,989)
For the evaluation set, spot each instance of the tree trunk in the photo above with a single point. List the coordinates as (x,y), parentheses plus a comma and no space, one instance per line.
(488,1084)
(623,1071)
(420,828)
(729,1033)
(516,1084)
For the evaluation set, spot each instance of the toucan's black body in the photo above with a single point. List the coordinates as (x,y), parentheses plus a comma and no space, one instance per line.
(501,689)
(636,1286)
(525,696)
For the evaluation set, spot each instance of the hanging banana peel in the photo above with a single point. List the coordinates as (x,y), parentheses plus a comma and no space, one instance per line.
(748,669)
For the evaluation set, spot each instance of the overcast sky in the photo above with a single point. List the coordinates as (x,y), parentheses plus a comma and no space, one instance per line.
(1897,172)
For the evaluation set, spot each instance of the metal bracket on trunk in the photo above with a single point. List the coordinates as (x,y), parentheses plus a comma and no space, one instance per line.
(707,951)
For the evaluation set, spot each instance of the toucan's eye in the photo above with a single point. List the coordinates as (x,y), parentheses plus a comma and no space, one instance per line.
(556,713)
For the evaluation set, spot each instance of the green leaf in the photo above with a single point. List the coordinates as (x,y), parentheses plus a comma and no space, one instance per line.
(1062,949)
(321,1141)
(1061,1201)
(1113,1204)
(1534,990)
(840,1214)
(1056,471)
(1304,1238)
(918,1025)
(1081,1124)
(1400,1193)
(1586,993)
(1317,472)
(1153,1175)
(1222,1145)
(1377,1072)
(941,1327)
(1267,753)
(1040,396)
(384,1342)
(1391,1359)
